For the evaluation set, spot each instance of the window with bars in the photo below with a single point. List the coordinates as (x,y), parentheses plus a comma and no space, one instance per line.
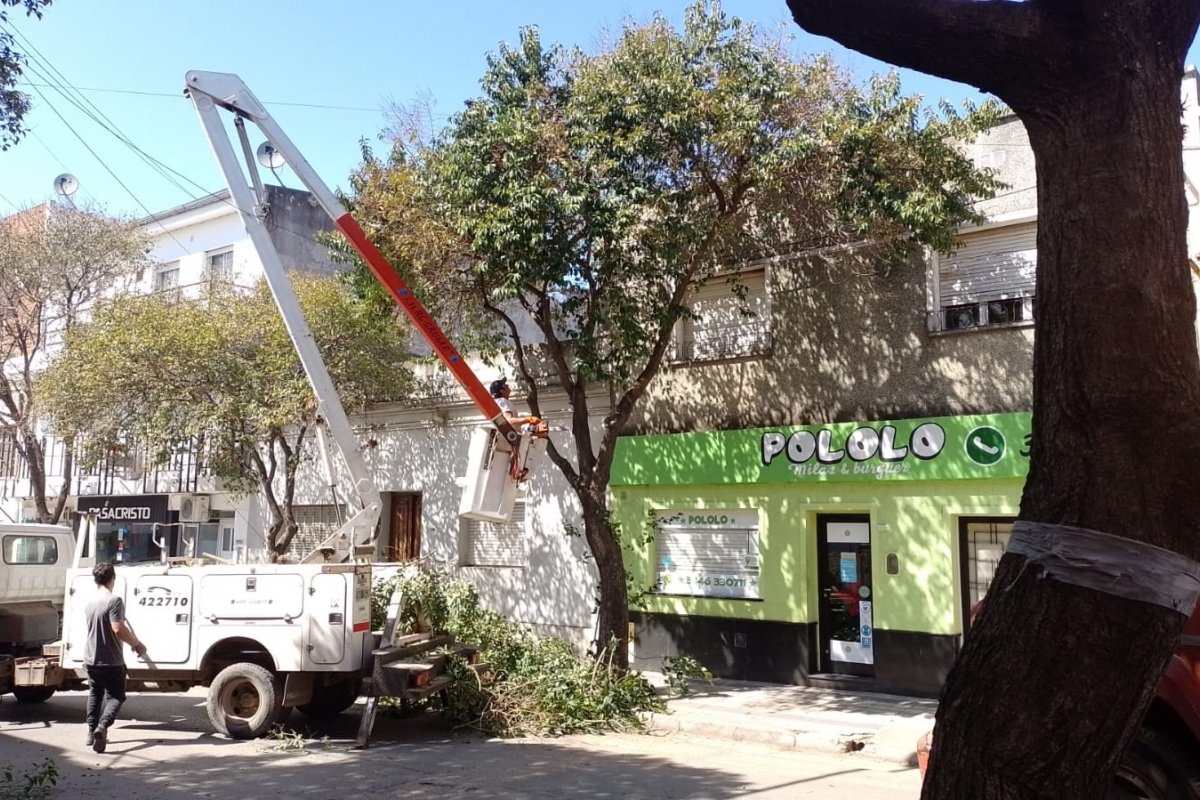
(12,465)
(493,544)
(166,277)
(982,543)
(732,319)
(220,265)
(988,280)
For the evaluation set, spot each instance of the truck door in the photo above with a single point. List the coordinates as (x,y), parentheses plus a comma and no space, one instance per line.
(81,589)
(327,619)
(160,610)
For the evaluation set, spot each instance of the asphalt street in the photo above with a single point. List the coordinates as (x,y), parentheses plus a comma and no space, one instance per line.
(163,748)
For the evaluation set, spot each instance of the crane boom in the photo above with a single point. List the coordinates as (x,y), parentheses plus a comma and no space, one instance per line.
(213,91)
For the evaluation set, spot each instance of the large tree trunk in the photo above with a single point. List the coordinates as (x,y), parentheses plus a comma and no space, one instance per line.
(1054,678)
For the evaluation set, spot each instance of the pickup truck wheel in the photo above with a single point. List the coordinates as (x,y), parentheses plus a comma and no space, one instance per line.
(329,701)
(244,701)
(1156,767)
(32,694)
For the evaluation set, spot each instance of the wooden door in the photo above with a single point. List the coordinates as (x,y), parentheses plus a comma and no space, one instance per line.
(404,541)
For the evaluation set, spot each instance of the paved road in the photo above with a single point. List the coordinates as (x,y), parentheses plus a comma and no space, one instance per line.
(162,748)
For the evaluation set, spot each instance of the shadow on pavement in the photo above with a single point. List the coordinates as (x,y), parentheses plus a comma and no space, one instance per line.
(161,747)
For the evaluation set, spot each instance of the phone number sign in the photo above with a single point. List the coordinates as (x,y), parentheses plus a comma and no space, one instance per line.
(707,584)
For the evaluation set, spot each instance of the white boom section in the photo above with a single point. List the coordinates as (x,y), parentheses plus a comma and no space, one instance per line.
(208,92)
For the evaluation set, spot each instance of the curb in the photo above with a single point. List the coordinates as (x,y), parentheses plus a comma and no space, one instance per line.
(896,749)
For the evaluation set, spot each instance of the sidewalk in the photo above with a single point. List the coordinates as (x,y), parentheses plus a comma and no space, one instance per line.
(879,726)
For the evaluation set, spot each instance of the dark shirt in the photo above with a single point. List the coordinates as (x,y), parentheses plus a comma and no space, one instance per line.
(103,647)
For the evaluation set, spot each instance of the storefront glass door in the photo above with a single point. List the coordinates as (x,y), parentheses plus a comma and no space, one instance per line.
(845,605)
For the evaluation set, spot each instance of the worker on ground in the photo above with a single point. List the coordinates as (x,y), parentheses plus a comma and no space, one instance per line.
(501,391)
(103,657)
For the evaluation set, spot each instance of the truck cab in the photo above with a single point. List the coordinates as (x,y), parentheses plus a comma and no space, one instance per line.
(34,560)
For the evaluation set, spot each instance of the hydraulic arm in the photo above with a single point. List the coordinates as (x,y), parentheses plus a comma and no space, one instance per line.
(212,91)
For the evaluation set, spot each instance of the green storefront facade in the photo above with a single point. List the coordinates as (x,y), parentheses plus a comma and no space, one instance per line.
(841,554)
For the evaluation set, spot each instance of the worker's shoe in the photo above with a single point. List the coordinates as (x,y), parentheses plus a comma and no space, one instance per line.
(91,737)
(100,740)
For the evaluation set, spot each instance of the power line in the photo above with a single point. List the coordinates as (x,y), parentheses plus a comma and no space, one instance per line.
(108,124)
(33,54)
(176,96)
(48,150)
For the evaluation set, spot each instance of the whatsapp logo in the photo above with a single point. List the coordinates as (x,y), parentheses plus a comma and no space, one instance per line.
(985,445)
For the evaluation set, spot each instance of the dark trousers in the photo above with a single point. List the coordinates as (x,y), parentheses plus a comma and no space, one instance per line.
(106,693)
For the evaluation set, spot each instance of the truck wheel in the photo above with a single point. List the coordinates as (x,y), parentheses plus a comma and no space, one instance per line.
(1156,767)
(243,701)
(33,694)
(329,701)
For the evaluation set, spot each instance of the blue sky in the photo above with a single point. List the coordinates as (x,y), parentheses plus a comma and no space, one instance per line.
(346,61)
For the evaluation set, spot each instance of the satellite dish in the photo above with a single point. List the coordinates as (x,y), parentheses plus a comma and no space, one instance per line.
(66,184)
(268,156)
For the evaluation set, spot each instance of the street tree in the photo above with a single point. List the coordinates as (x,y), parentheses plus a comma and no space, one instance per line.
(220,375)
(1054,679)
(55,260)
(14,104)
(588,196)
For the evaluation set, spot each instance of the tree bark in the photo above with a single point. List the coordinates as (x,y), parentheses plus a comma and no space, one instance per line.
(612,612)
(1053,680)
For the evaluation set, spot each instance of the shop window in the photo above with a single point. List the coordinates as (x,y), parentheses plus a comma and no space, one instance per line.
(987,281)
(707,553)
(982,542)
(30,550)
(493,544)
(731,319)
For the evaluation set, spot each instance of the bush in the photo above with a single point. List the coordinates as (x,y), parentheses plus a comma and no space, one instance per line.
(681,671)
(535,686)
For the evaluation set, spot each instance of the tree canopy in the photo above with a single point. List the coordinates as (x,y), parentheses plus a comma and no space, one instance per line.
(220,374)
(14,105)
(54,261)
(588,196)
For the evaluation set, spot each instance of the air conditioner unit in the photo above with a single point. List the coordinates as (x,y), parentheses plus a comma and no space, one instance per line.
(193,508)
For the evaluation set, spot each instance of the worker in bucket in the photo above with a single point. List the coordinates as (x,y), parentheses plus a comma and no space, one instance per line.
(104,658)
(532,425)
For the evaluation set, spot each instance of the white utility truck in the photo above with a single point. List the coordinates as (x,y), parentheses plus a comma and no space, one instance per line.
(270,637)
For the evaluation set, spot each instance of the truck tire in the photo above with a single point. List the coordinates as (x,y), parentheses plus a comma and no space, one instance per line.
(329,701)
(33,694)
(1157,767)
(244,701)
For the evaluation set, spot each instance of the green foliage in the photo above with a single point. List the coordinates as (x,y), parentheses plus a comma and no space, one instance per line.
(219,374)
(32,784)
(681,671)
(588,196)
(535,686)
(14,105)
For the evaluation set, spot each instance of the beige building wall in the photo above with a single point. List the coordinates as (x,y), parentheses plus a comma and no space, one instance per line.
(847,343)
